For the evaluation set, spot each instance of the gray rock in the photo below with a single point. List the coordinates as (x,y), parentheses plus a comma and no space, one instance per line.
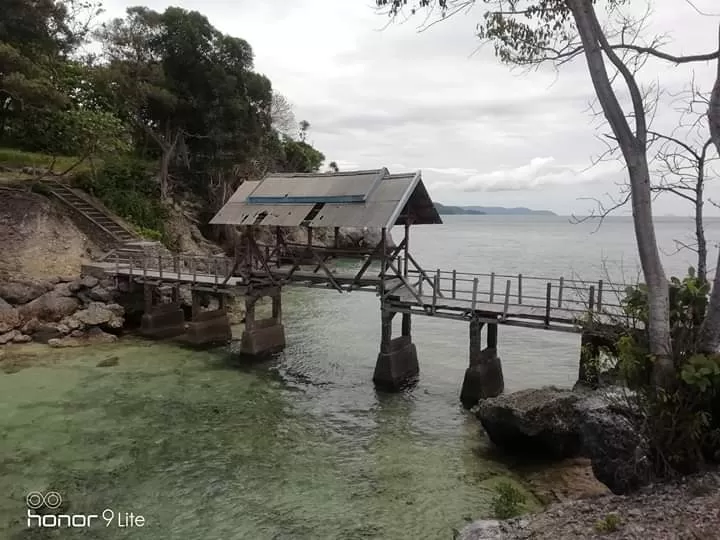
(22,338)
(22,292)
(554,423)
(43,332)
(63,289)
(97,314)
(72,323)
(48,307)
(89,281)
(9,317)
(539,422)
(95,336)
(100,294)
(75,285)
(9,336)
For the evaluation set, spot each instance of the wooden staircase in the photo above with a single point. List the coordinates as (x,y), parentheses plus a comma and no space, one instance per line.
(99,218)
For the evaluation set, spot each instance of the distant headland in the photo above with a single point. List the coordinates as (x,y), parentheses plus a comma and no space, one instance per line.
(489,210)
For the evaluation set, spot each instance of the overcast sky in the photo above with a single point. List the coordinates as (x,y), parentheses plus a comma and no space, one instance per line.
(480,132)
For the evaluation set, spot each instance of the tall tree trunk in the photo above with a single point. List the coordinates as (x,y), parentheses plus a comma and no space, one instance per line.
(710,332)
(699,228)
(634,149)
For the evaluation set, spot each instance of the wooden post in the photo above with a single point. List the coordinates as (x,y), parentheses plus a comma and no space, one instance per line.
(383,262)
(117,264)
(560,291)
(278,243)
(193,265)
(160,265)
(454,284)
(148,294)
(519,288)
(277,307)
(548,294)
(336,237)
(474,294)
(492,287)
(144,268)
(195,295)
(176,262)
(436,284)
(599,295)
(215,270)
(407,249)
(591,303)
(508,284)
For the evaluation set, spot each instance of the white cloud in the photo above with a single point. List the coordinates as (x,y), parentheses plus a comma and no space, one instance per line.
(384,97)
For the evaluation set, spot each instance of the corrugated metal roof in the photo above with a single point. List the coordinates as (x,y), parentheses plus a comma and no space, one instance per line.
(351,199)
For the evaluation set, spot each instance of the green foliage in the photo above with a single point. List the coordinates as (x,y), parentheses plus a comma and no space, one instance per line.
(680,422)
(299,156)
(126,187)
(609,524)
(508,501)
(11,157)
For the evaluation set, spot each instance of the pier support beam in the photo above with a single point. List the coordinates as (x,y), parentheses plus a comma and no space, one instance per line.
(484,377)
(208,327)
(266,336)
(397,364)
(163,321)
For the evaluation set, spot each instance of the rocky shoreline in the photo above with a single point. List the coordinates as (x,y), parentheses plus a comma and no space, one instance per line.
(686,509)
(60,312)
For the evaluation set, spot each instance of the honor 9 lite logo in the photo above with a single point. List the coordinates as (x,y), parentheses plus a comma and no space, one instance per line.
(41,507)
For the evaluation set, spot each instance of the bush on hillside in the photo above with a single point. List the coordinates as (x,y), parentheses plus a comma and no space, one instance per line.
(127,187)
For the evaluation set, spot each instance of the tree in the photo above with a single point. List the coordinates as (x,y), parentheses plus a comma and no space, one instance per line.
(333,166)
(283,117)
(534,31)
(304,127)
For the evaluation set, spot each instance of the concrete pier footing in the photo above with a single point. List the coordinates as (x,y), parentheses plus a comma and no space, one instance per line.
(397,364)
(265,336)
(163,321)
(209,328)
(484,378)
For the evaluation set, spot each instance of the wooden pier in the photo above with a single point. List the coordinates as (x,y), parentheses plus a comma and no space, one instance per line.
(371,199)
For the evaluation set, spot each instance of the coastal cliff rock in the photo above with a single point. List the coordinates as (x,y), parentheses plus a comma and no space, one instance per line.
(39,241)
(556,424)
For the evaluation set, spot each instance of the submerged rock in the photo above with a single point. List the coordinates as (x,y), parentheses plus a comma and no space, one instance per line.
(94,336)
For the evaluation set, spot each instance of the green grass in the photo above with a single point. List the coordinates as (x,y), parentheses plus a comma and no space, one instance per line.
(16,159)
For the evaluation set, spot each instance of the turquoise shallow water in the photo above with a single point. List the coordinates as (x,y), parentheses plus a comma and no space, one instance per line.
(299,447)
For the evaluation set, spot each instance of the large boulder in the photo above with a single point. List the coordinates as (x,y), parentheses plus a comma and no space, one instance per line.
(9,317)
(22,292)
(538,422)
(100,294)
(554,423)
(98,314)
(8,337)
(49,307)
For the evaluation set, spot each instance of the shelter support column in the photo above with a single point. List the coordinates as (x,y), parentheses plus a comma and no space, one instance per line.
(397,364)
(484,377)
(263,337)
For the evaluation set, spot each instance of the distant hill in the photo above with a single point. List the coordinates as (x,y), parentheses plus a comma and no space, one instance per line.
(449,210)
(491,210)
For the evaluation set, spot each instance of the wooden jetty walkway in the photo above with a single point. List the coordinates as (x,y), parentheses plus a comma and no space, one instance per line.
(374,199)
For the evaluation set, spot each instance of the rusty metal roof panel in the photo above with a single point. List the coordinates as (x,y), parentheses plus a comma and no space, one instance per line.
(331,200)
(346,187)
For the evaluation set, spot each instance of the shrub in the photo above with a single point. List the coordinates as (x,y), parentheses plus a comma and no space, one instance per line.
(608,524)
(508,501)
(681,422)
(126,186)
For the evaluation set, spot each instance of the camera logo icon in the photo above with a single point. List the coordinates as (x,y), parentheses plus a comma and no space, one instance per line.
(36,500)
